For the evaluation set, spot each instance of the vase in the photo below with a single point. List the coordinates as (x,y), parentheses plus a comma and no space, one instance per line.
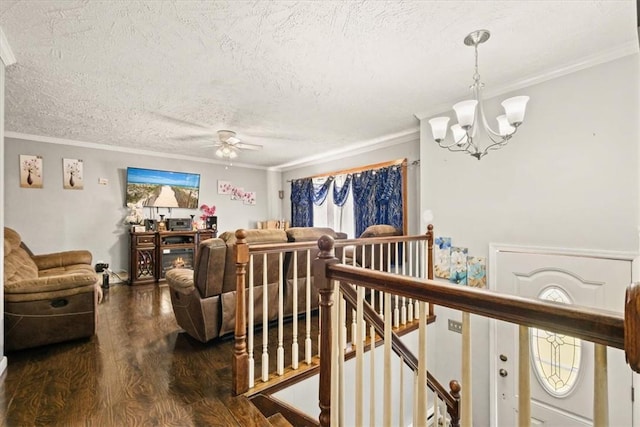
(212,223)
(71,181)
(29,179)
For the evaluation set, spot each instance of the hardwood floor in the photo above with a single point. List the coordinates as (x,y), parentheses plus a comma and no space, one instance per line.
(139,370)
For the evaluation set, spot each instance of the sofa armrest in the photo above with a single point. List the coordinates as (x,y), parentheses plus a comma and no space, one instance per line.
(181,280)
(50,283)
(62,259)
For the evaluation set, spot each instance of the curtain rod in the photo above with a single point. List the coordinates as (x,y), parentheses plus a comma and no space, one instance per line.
(397,162)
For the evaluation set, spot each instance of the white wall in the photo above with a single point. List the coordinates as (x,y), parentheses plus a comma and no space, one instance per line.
(52,219)
(407,147)
(568,179)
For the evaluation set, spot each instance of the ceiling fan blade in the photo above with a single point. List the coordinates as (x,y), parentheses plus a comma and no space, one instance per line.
(180,121)
(245,146)
(193,137)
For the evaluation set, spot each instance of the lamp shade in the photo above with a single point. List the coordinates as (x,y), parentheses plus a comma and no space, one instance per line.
(466,112)
(439,127)
(458,134)
(514,108)
(504,128)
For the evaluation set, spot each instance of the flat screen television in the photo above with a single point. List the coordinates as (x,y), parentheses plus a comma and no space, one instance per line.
(163,189)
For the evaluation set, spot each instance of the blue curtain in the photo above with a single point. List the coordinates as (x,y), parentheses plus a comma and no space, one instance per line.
(340,194)
(377,198)
(389,197)
(320,192)
(302,203)
(364,200)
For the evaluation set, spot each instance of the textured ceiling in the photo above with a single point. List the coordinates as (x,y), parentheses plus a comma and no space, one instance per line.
(299,78)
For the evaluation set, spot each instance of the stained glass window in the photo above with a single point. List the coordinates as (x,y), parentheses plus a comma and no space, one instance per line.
(556,357)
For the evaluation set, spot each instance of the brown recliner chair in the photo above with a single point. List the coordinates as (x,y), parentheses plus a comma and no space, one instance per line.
(47,298)
(195,294)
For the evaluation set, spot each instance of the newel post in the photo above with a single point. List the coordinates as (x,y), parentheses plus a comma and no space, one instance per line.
(430,260)
(325,288)
(454,412)
(632,326)
(240,362)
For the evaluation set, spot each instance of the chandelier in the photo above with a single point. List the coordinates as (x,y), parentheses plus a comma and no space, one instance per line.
(464,132)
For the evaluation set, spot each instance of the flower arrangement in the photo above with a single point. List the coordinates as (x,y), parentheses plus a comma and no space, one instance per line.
(135,215)
(207,211)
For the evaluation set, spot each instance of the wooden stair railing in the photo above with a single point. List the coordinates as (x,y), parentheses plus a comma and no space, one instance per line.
(451,399)
(243,358)
(595,325)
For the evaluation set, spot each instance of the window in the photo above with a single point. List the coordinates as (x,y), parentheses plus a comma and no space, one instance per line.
(556,357)
(331,215)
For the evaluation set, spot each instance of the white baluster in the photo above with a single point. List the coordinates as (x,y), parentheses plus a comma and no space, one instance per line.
(359,338)
(465,398)
(280,353)
(524,368)
(401,402)
(307,339)
(422,397)
(386,413)
(372,379)
(411,273)
(600,387)
(252,362)
(396,309)
(403,309)
(265,321)
(294,344)
(342,321)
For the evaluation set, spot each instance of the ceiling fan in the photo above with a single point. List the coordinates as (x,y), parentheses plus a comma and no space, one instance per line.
(229,145)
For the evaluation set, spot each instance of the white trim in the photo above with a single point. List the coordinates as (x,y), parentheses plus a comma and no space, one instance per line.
(545,250)
(63,141)
(3,365)
(626,49)
(6,54)
(408,135)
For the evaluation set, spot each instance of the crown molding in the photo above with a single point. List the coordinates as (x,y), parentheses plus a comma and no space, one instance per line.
(626,49)
(412,134)
(105,147)
(6,54)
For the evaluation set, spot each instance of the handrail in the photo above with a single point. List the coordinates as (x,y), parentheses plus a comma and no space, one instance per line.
(266,248)
(588,323)
(401,349)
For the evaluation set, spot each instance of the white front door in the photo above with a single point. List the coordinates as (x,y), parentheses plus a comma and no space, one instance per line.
(561,367)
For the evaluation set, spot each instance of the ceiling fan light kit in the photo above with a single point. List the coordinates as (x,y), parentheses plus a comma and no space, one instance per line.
(470,112)
(229,145)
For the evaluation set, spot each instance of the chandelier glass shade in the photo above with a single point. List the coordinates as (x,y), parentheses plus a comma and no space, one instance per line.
(470,115)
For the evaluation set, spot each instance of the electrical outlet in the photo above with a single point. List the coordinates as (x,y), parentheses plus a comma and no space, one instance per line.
(455,326)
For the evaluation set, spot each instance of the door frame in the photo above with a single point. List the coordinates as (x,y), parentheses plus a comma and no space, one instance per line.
(494,249)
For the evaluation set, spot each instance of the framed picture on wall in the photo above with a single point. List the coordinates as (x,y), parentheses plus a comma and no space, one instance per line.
(224,187)
(30,171)
(72,174)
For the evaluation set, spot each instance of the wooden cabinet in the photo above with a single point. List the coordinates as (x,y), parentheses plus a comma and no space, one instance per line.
(153,253)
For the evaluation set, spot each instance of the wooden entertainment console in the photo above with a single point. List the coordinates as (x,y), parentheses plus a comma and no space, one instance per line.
(153,253)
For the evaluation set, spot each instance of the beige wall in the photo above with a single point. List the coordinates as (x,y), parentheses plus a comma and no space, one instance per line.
(568,179)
